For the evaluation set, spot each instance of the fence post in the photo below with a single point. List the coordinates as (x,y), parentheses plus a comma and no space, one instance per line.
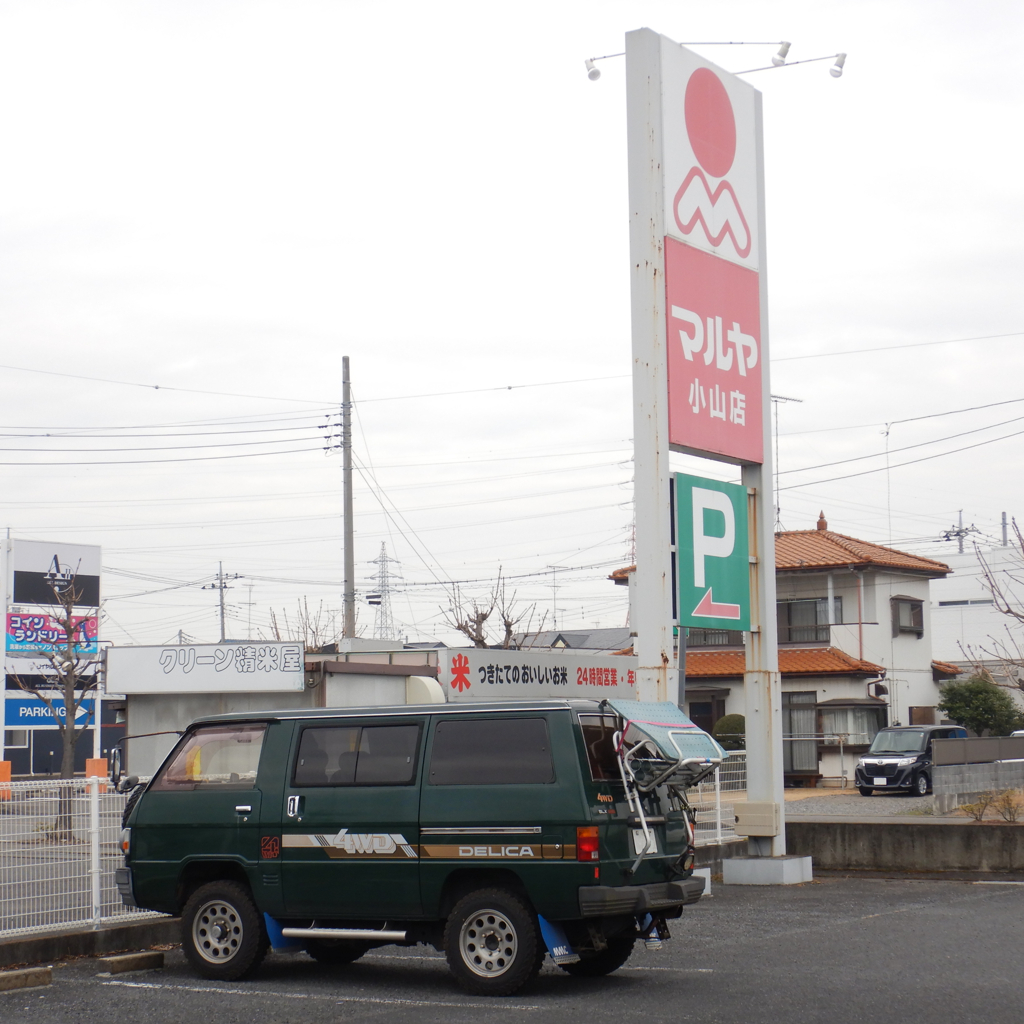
(718,806)
(95,870)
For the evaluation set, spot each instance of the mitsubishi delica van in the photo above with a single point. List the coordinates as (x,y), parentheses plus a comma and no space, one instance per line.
(495,832)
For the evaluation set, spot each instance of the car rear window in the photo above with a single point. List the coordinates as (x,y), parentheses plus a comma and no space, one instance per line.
(599,739)
(371,755)
(491,752)
(214,757)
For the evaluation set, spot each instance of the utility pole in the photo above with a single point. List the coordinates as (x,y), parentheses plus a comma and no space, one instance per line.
(960,531)
(349,592)
(221,585)
(1004,530)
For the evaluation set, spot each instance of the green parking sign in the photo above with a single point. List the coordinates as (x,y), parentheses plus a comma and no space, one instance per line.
(712,554)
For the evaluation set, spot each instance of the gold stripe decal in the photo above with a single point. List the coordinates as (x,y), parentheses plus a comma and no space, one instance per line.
(387,846)
(355,844)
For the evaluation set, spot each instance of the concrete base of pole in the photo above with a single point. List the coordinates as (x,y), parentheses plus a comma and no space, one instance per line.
(767,870)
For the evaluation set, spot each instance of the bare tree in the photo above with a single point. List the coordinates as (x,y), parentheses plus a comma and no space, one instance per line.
(1008,650)
(315,629)
(471,618)
(69,674)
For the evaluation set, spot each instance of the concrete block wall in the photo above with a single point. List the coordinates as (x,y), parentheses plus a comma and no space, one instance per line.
(954,784)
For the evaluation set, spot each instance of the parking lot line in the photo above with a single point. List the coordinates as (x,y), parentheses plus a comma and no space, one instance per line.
(376,1000)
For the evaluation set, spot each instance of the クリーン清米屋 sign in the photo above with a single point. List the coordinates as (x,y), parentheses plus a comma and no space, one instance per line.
(713,567)
(712,155)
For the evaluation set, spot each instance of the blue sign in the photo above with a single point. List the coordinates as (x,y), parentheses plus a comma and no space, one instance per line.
(30,712)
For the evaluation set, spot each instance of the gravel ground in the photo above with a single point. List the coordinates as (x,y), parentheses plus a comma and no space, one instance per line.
(851,802)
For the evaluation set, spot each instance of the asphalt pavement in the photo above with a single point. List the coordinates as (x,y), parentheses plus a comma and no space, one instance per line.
(842,951)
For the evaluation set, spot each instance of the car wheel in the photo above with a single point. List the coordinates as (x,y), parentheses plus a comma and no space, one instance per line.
(492,943)
(920,786)
(865,790)
(223,935)
(335,951)
(596,965)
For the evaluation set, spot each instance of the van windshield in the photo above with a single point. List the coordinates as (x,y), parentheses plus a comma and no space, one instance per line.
(906,741)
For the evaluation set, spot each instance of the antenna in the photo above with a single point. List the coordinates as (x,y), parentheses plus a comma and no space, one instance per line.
(776,399)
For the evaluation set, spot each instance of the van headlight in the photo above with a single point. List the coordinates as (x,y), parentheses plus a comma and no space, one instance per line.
(904,761)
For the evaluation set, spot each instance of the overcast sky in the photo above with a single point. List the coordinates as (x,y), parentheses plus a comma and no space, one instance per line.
(224,198)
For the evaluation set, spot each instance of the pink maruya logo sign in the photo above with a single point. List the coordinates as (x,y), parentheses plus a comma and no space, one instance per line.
(712,292)
(711,130)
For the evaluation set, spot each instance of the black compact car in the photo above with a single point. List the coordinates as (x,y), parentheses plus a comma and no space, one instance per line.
(900,757)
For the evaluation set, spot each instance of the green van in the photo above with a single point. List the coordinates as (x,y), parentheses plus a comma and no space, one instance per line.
(494,832)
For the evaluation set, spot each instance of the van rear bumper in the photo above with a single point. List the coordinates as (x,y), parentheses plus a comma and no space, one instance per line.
(610,901)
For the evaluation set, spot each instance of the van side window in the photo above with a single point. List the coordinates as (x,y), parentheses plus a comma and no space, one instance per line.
(372,755)
(598,737)
(493,752)
(214,757)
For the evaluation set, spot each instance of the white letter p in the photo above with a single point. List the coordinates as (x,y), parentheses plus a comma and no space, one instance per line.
(703,545)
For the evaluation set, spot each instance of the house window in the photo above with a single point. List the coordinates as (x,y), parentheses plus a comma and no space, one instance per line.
(857,725)
(798,720)
(907,616)
(807,621)
(16,738)
(713,638)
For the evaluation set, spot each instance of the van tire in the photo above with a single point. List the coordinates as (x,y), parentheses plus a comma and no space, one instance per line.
(597,965)
(865,790)
(492,930)
(921,785)
(223,935)
(336,952)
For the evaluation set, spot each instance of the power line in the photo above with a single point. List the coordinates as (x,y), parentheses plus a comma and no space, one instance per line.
(921,444)
(890,348)
(899,465)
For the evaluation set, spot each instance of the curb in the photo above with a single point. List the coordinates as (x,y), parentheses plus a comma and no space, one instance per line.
(34,949)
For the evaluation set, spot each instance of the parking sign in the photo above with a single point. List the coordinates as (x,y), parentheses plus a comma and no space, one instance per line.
(712,552)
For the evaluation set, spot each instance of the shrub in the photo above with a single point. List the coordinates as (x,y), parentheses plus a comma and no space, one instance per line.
(730,732)
(1009,805)
(981,706)
(977,809)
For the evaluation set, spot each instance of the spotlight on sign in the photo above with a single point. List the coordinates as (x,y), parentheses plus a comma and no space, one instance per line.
(593,71)
(780,58)
(836,71)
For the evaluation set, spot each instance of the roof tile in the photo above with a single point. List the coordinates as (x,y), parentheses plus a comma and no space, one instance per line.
(793,661)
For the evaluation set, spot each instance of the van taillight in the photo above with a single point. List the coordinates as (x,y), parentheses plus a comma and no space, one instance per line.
(586,843)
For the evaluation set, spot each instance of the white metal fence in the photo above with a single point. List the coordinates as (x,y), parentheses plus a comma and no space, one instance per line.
(712,801)
(58,852)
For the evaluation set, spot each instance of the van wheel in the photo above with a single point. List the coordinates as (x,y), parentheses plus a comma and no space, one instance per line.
(222,933)
(920,786)
(865,790)
(492,943)
(335,951)
(596,965)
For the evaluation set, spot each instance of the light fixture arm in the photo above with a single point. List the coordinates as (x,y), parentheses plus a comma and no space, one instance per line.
(835,71)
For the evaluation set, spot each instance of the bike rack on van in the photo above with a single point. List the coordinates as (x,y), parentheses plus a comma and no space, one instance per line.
(648,763)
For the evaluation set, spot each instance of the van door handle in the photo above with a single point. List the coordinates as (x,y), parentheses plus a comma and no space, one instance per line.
(243,808)
(293,806)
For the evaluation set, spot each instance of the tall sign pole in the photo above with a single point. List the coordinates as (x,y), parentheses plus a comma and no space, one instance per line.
(349,587)
(700,366)
(652,593)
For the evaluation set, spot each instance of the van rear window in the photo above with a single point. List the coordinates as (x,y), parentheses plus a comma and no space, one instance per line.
(491,752)
(599,739)
(372,755)
(214,757)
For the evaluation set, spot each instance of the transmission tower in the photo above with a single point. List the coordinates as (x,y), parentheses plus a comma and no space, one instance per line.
(380,600)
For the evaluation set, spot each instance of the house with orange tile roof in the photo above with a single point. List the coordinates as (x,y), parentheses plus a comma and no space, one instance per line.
(854,623)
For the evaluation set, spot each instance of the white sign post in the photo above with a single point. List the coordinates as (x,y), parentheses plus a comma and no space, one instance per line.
(700,355)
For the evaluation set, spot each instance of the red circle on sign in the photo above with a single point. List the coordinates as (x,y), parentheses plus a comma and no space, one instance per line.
(710,123)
